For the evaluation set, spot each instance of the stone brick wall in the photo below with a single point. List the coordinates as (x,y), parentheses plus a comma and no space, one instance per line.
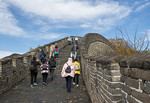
(99,48)
(135,78)
(14,70)
(115,79)
(101,73)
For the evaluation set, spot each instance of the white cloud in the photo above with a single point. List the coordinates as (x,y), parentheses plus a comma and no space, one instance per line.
(8,24)
(141,7)
(85,25)
(148,32)
(72,10)
(99,15)
(49,36)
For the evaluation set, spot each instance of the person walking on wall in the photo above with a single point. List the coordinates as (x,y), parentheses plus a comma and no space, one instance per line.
(52,50)
(68,76)
(76,40)
(74,49)
(69,40)
(44,71)
(34,71)
(42,55)
(56,50)
(77,73)
(52,67)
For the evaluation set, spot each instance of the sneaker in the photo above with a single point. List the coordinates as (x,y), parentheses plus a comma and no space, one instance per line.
(31,86)
(77,85)
(44,83)
(73,83)
(35,84)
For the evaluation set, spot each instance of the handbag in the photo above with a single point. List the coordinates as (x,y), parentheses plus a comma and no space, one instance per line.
(68,69)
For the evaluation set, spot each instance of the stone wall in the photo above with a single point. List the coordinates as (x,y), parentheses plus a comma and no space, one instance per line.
(135,78)
(14,70)
(101,73)
(115,79)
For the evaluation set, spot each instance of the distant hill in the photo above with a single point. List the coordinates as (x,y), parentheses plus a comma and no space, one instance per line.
(12,55)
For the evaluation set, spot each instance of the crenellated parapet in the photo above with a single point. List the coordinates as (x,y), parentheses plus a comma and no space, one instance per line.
(135,78)
(111,78)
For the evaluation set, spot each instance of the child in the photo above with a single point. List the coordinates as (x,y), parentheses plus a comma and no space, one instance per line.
(44,71)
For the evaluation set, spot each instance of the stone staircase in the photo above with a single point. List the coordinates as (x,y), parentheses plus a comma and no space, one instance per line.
(53,92)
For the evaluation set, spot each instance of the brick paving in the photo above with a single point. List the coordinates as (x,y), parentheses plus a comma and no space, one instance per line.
(53,92)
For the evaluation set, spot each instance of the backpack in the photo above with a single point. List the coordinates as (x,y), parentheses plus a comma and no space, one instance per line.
(53,63)
(32,68)
(44,67)
(56,49)
(77,67)
(43,55)
(68,69)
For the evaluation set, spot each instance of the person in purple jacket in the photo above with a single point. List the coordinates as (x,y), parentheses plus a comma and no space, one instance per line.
(68,76)
(44,71)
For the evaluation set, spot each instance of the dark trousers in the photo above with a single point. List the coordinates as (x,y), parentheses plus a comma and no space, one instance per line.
(76,78)
(76,42)
(69,42)
(33,77)
(42,59)
(51,74)
(56,55)
(44,77)
(68,83)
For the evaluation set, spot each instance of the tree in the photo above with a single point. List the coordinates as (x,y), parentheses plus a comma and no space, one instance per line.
(31,49)
(129,45)
(139,42)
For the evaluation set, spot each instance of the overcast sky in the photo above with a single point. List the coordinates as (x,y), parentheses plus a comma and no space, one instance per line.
(29,23)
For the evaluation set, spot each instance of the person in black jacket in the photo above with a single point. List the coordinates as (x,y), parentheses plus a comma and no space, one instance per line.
(34,71)
(52,67)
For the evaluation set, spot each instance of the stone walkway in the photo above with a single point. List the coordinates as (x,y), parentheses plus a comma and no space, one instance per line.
(54,92)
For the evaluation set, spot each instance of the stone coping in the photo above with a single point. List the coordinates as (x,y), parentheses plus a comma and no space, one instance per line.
(138,60)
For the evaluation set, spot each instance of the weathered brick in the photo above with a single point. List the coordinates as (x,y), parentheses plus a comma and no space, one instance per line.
(126,89)
(107,77)
(114,91)
(114,66)
(142,87)
(124,71)
(131,100)
(107,72)
(141,96)
(140,74)
(147,87)
(115,73)
(132,82)
(115,79)
(123,78)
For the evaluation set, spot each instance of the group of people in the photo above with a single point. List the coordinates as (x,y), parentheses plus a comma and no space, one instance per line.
(49,65)
(46,65)
(74,65)
(71,40)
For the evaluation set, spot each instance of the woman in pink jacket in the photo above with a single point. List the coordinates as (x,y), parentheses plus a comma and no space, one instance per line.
(68,76)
